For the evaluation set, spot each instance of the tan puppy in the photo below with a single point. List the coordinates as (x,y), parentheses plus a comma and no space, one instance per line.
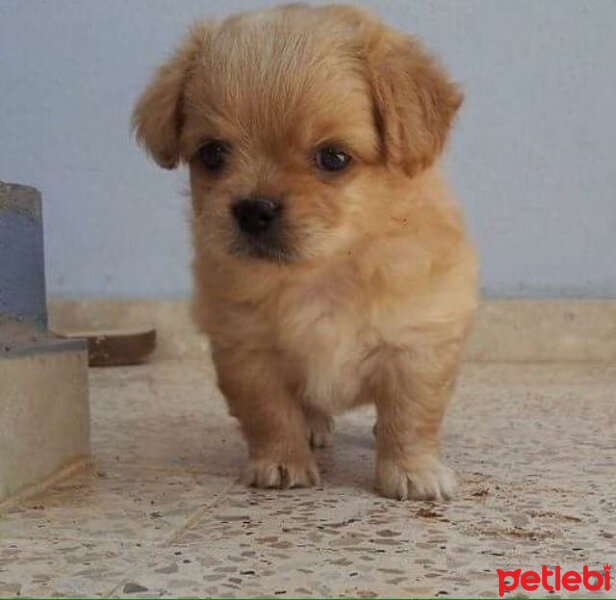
(331,265)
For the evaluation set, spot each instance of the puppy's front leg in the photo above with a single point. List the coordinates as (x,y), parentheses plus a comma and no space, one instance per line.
(271,419)
(411,398)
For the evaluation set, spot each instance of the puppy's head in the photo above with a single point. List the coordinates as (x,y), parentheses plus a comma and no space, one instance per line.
(294,122)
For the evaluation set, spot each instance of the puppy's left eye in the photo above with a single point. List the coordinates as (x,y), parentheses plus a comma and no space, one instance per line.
(330,158)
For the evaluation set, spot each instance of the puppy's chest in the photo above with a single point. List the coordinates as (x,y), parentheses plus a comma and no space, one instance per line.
(328,333)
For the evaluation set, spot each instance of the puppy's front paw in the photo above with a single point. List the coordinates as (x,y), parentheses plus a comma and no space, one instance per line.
(282,473)
(417,478)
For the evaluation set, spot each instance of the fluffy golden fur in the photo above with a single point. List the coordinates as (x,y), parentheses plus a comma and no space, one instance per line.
(369,294)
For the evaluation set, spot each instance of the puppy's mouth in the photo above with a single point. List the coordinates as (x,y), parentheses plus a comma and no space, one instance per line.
(269,248)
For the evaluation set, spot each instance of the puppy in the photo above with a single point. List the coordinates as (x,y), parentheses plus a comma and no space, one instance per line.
(331,265)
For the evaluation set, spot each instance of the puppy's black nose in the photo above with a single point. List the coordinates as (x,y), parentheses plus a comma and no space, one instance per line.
(256,215)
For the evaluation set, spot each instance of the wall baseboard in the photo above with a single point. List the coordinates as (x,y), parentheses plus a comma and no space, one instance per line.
(506,330)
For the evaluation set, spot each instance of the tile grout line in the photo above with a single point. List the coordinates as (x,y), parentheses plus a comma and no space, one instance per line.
(182,529)
(199,513)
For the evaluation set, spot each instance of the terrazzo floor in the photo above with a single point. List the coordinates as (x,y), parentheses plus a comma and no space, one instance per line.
(162,513)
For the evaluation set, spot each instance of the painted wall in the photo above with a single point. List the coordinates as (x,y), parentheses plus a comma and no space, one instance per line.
(533,157)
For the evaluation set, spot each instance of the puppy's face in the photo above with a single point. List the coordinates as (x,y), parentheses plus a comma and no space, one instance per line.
(294,122)
(280,143)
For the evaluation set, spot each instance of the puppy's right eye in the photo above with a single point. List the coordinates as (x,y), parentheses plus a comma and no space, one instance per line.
(214,155)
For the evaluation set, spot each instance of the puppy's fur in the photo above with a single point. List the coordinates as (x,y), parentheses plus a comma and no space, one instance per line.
(371,288)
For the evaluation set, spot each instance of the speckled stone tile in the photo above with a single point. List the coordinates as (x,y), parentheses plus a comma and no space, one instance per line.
(172,416)
(127,504)
(64,568)
(162,514)
(269,572)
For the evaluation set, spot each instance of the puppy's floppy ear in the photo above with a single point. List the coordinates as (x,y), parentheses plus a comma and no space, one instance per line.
(158,116)
(415,101)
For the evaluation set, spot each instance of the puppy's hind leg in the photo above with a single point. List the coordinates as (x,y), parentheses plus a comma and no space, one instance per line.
(272,420)
(320,427)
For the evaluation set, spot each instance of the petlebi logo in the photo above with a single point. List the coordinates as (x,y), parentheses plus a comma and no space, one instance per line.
(555,580)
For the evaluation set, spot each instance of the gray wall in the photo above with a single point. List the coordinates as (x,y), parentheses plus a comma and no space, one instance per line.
(533,157)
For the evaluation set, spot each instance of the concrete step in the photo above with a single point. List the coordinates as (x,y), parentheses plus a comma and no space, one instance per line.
(44,407)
